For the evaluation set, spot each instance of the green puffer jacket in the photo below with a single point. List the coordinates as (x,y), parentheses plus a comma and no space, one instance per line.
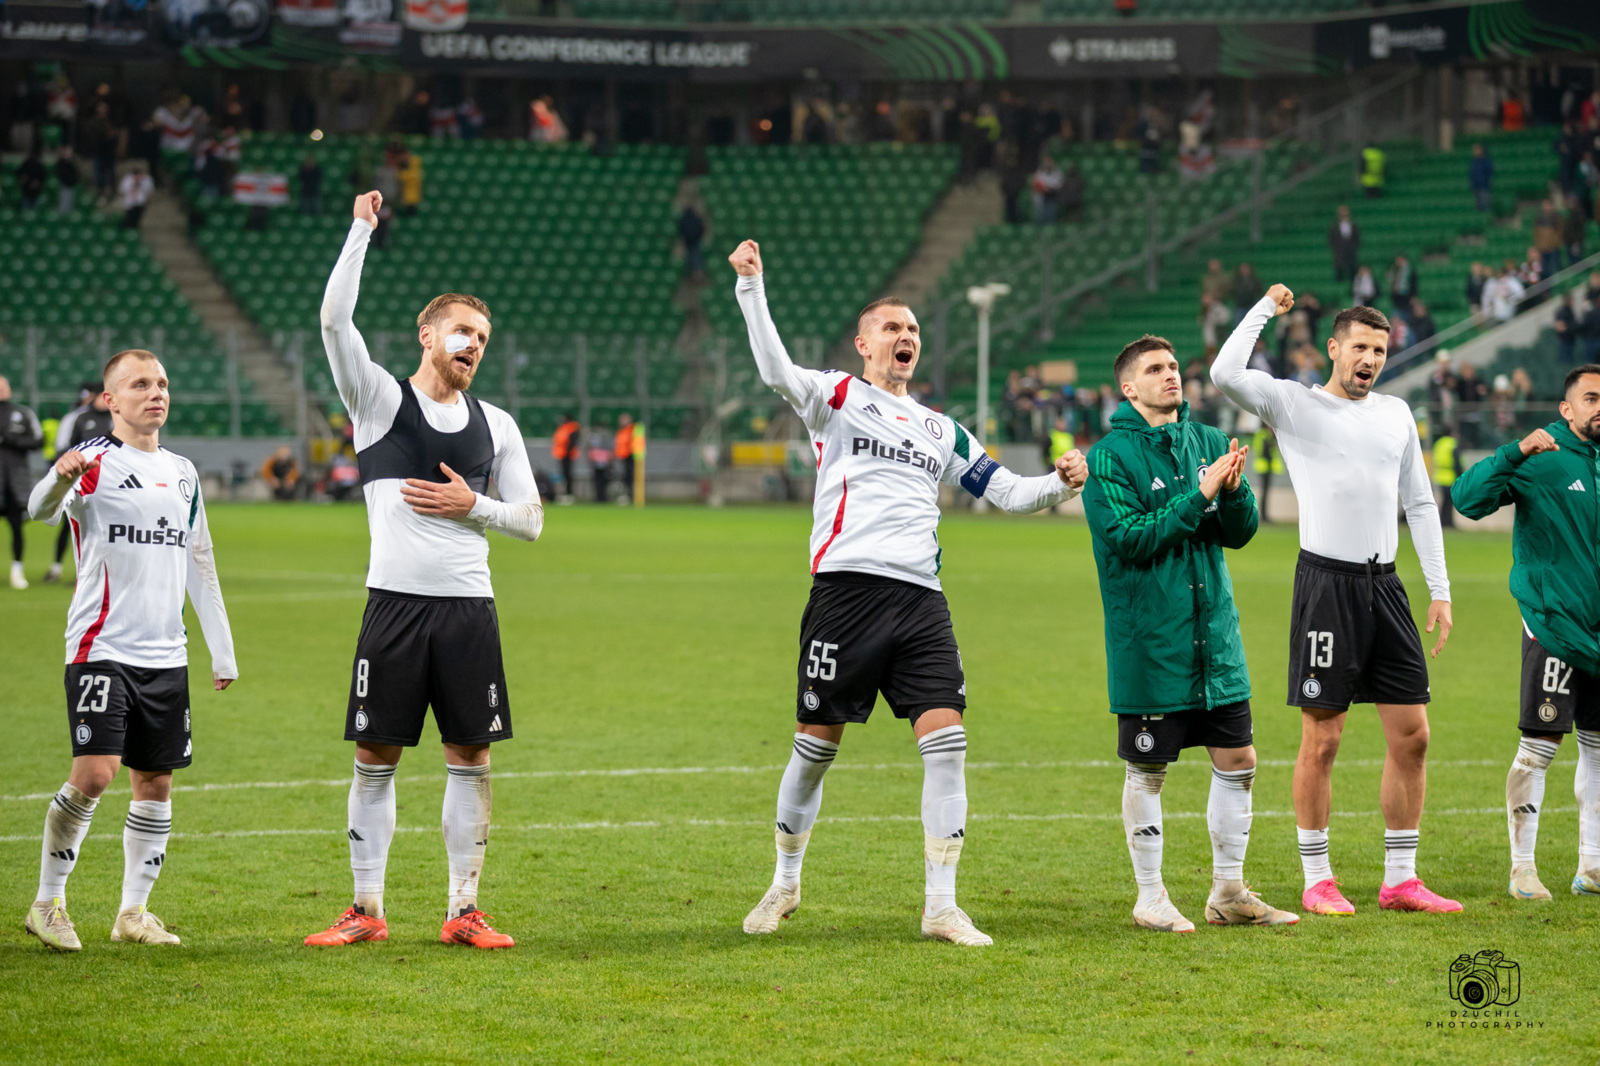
(1555,541)
(1172,630)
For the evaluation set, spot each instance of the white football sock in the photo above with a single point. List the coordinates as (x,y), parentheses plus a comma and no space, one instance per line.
(944,813)
(1314,855)
(1525,796)
(1228,815)
(799,800)
(144,848)
(1586,786)
(1399,855)
(371,811)
(66,823)
(1141,818)
(467,804)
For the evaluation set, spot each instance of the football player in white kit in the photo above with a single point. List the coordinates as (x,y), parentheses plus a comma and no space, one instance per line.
(430,636)
(1354,458)
(141,543)
(877,620)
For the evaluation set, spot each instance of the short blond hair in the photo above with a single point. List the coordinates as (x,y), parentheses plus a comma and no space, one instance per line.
(435,310)
(122,357)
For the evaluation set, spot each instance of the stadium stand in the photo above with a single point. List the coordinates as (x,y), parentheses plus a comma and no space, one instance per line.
(78,288)
(557,240)
(1426,214)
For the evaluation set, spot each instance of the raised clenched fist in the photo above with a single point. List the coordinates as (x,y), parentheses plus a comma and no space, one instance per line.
(73,465)
(367,205)
(746,259)
(1538,441)
(1282,298)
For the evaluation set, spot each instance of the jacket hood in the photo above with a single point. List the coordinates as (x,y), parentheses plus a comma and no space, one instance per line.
(1128,417)
(1566,438)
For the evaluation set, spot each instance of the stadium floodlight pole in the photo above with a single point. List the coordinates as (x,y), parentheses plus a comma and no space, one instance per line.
(983,297)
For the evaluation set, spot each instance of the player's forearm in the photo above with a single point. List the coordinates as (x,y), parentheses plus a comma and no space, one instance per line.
(772,359)
(1024,495)
(1428,538)
(1481,490)
(1250,389)
(1142,536)
(1239,517)
(47,499)
(344,284)
(524,520)
(205,593)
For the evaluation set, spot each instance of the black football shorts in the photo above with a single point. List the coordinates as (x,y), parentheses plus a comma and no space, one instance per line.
(1352,638)
(1555,696)
(140,714)
(862,635)
(420,651)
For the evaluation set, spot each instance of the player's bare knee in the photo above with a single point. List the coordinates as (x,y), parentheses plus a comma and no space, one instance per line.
(1320,748)
(151,786)
(1232,760)
(92,775)
(1411,746)
(466,754)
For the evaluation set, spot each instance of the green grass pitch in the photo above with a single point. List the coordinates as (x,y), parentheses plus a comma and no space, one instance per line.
(650,658)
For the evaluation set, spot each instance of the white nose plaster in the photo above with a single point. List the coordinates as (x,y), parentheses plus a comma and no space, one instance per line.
(457,342)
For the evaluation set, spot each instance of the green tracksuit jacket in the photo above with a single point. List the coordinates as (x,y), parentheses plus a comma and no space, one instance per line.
(1555,543)
(1172,630)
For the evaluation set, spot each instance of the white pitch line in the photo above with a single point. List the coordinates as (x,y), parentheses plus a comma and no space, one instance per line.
(669,771)
(726,823)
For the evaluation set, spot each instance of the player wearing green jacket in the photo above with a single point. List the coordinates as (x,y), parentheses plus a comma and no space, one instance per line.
(1553,477)
(1165,496)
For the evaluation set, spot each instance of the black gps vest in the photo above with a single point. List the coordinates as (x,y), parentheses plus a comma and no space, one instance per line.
(414,449)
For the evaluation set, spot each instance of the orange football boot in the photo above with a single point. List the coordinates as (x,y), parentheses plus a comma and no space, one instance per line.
(351,928)
(472,929)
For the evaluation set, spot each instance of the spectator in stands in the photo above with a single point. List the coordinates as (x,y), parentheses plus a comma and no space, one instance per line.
(1513,113)
(1502,293)
(1308,303)
(1402,283)
(1569,149)
(1480,177)
(1471,393)
(1371,175)
(1574,230)
(1565,324)
(600,460)
(1589,325)
(104,140)
(1344,240)
(31,176)
(1149,134)
(1530,272)
(1216,284)
(1422,325)
(1399,335)
(544,124)
(469,119)
(1477,278)
(135,189)
(209,166)
(282,473)
(310,185)
(67,178)
(1047,183)
(1074,190)
(1305,364)
(1363,290)
(1521,388)
(1013,180)
(565,444)
(410,183)
(1215,317)
(1547,237)
(1586,184)
(1247,289)
(1442,388)
(692,230)
(987,123)
(386,179)
(444,121)
(178,122)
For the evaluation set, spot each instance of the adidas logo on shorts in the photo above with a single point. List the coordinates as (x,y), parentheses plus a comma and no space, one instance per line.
(495,726)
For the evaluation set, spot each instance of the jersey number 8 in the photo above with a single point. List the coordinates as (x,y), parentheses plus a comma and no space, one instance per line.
(822,666)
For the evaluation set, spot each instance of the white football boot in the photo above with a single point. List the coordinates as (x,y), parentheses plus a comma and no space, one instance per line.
(138,926)
(1246,908)
(1525,884)
(47,919)
(1161,915)
(952,924)
(779,902)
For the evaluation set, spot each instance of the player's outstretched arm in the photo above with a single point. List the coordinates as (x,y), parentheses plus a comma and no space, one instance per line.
(980,475)
(800,387)
(53,492)
(1253,390)
(1137,534)
(362,384)
(1485,486)
(205,593)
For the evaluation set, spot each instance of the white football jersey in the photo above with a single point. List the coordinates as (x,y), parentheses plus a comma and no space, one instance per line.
(141,542)
(880,459)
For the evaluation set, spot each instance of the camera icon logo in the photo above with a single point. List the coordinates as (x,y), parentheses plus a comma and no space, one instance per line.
(1487,979)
